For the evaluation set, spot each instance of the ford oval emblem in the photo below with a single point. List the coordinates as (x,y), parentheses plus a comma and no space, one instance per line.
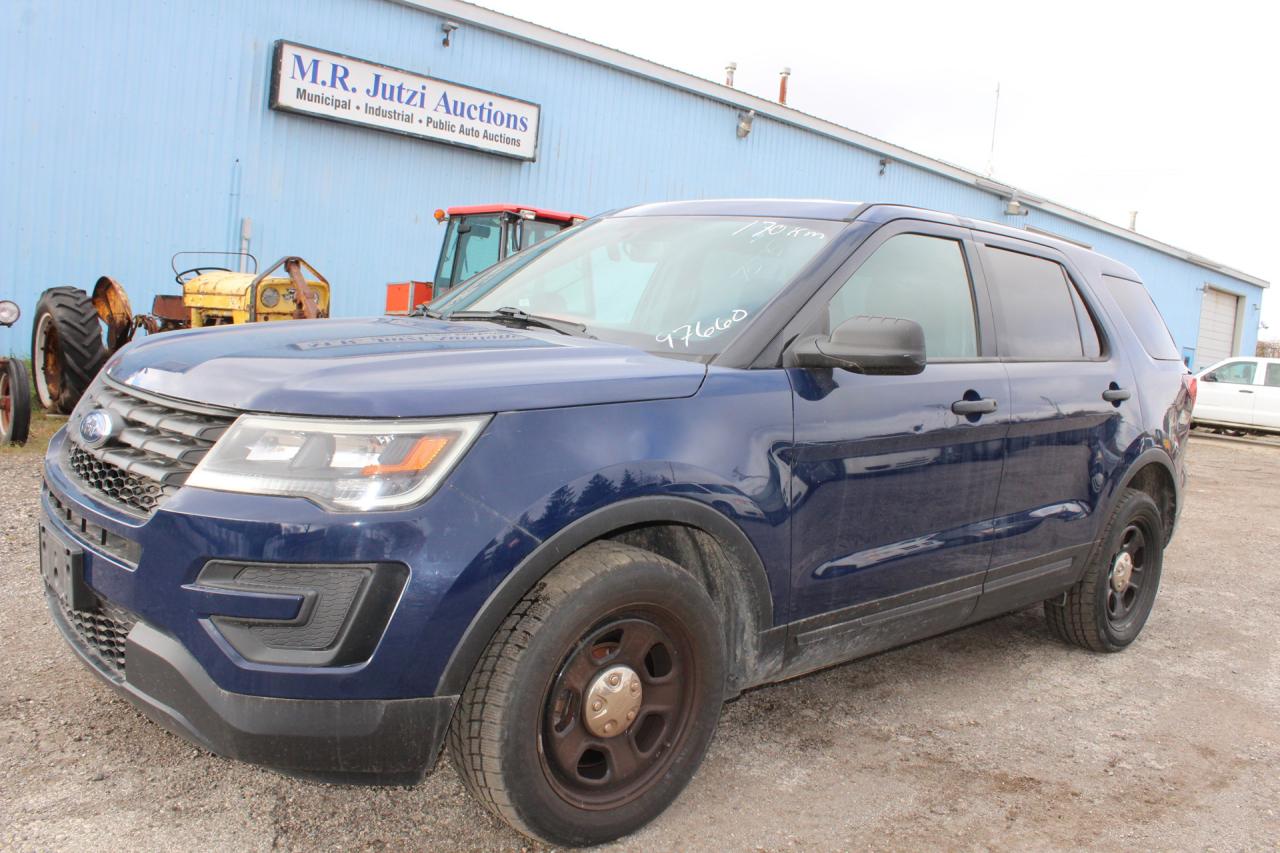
(97,428)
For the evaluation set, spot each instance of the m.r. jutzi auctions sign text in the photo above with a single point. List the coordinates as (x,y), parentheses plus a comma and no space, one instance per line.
(341,88)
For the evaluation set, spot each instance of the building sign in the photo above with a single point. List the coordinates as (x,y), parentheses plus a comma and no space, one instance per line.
(329,85)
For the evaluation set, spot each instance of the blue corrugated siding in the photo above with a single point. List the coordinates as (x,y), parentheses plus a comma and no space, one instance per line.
(131,132)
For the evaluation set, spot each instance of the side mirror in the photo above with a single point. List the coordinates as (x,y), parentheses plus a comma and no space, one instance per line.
(1209,377)
(9,312)
(877,346)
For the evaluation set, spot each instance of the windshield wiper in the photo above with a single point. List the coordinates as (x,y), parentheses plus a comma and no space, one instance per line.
(424,311)
(524,319)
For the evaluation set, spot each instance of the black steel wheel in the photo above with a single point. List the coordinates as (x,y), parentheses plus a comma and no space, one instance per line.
(1125,577)
(1107,609)
(617,706)
(15,403)
(595,702)
(66,347)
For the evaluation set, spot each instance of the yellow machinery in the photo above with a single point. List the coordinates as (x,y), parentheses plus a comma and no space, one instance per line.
(217,297)
(67,343)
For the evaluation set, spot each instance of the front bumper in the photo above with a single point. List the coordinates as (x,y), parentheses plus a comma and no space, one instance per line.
(379,741)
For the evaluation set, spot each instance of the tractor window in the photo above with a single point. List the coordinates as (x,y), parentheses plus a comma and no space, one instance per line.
(535,231)
(478,246)
(471,245)
(444,267)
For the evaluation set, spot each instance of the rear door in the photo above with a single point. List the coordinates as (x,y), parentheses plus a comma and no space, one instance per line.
(1073,412)
(1266,407)
(893,492)
(1227,393)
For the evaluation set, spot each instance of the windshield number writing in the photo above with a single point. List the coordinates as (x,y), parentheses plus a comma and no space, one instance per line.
(690,331)
(768,228)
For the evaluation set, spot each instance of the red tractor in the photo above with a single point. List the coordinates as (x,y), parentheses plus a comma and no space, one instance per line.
(478,237)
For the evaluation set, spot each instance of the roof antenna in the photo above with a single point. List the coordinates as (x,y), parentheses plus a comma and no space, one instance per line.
(995,117)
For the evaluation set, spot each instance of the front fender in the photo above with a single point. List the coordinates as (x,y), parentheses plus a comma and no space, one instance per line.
(588,528)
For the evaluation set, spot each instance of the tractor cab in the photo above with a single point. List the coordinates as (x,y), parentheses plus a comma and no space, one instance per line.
(479,236)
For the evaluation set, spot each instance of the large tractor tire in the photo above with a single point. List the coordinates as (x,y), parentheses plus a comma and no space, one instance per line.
(15,403)
(66,347)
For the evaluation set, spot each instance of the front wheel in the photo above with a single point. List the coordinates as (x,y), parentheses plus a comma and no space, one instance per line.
(1106,610)
(593,705)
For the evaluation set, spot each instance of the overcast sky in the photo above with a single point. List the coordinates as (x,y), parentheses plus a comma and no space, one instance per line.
(1169,109)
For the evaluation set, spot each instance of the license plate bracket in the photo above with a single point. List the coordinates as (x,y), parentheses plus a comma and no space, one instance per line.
(62,567)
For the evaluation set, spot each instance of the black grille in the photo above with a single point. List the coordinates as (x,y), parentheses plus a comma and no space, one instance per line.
(102,631)
(116,483)
(153,454)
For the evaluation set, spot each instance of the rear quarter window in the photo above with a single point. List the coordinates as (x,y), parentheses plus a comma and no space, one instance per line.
(1144,317)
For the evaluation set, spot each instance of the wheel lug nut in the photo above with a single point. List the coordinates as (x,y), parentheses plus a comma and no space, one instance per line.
(615,680)
(635,687)
(631,715)
(597,705)
(610,726)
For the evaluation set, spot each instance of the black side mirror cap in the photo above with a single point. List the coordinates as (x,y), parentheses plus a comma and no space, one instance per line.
(876,346)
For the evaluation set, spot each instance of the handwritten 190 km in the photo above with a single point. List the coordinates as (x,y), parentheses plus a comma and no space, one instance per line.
(686,333)
(776,229)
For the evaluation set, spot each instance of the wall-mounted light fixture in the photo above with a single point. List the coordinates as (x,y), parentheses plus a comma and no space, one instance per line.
(1016,208)
(448,28)
(744,123)
(884,164)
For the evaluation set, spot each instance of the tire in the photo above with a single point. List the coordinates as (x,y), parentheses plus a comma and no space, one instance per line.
(15,403)
(524,712)
(1097,615)
(66,347)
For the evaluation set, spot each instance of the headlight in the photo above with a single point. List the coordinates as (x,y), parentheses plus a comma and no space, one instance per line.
(340,464)
(270,297)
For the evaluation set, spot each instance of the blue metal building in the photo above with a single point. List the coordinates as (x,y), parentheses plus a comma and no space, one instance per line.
(131,131)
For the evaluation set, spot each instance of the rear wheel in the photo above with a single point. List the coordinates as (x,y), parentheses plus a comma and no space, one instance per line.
(66,347)
(596,700)
(15,403)
(1108,608)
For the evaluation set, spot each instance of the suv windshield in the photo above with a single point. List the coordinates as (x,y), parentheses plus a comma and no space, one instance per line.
(680,285)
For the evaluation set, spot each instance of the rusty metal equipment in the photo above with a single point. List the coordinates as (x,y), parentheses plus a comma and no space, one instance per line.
(15,388)
(74,333)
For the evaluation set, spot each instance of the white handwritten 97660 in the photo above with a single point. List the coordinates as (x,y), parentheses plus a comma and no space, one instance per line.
(689,331)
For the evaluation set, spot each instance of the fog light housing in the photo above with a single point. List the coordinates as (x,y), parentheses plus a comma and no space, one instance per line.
(344,612)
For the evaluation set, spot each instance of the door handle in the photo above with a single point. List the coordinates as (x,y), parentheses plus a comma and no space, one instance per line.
(1115,395)
(983,406)
(1244,390)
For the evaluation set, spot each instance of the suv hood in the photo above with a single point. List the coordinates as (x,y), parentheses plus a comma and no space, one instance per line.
(395,367)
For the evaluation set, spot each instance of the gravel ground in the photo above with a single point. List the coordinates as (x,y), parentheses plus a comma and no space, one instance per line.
(991,737)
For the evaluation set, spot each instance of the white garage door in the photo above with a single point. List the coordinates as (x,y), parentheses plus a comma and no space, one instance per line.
(1217,338)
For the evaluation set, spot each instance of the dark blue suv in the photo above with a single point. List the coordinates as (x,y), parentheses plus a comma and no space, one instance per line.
(564,513)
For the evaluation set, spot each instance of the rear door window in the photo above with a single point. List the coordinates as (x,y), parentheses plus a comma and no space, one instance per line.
(1041,315)
(1273,375)
(1144,317)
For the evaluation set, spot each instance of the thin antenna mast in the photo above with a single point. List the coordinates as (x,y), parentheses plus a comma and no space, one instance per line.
(995,118)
